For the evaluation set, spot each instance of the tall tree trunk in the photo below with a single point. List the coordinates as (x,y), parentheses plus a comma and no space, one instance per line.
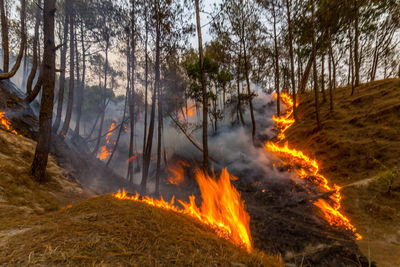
(356,52)
(39,163)
(79,101)
(323,77)
(249,94)
(81,84)
(159,141)
(32,74)
(239,106)
(132,92)
(146,82)
(278,108)
(6,74)
(291,55)
(315,69)
(61,84)
(103,111)
(68,113)
(149,142)
(4,37)
(204,90)
(330,73)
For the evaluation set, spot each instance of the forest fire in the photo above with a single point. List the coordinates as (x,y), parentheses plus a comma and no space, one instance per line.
(222,207)
(104,150)
(308,168)
(6,123)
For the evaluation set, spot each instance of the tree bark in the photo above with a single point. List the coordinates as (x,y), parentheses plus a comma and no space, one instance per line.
(323,77)
(330,73)
(68,113)
(39,164)
(204,90)
(146,82)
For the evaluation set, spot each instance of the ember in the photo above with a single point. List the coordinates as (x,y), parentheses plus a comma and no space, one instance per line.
(308,168)
(222,207)
(6,123)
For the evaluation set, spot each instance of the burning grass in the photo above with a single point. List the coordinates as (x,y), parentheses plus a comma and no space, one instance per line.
(361,133)
(105,230)
(222,207)
(308,168)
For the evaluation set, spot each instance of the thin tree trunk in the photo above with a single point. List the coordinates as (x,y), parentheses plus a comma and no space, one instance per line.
(315,69)
(146,82)
(291,55)
(35,65)
(6,74)
(4,37)
(239,107)
(323,77)
(132,93)
(96,148)
(68,113)
(330,73)
(159,132)
(81,84)
(278,108)
(356,52)
(204,90)
(39,163)
(149,142)
(249,95)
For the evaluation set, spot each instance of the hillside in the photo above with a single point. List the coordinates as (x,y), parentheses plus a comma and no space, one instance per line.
(39,226)
(358,148)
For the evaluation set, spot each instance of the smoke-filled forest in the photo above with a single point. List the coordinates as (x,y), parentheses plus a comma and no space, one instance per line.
(200,133)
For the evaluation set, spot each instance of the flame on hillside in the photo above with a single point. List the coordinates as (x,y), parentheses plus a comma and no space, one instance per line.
(104,150)
(6,123)
(308,168)
(222,207)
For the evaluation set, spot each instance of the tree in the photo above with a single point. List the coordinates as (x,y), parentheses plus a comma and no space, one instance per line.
(203,89)
(35,48)
(39,164)
(4,29)
(68,113)
(315,67)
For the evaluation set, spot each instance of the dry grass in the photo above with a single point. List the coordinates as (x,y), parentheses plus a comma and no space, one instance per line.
(109,231)
(35,230)
(361,133)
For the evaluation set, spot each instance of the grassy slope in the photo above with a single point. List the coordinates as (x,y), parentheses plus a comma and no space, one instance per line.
(362,132)
(103,230)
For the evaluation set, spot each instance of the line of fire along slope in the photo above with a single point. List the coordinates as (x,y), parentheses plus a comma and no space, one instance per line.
(308,168)
(222,208)
(6,123)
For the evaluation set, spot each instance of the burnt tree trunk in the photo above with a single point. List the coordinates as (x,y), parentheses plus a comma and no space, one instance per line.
(4,37)
(81,83)
(39,164)
(356,52)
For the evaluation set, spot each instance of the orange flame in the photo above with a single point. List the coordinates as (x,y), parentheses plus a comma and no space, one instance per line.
(104,152)
(177,173)
(222,207)
(132,158)
(6,123)
(308,168)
